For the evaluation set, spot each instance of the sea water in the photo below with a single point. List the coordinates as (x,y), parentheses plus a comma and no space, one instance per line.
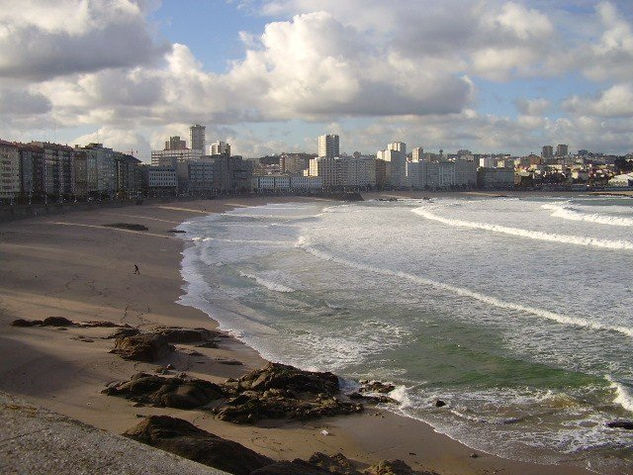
(516,312)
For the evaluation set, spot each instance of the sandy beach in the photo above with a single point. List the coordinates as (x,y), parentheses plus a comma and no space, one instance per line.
(71,265)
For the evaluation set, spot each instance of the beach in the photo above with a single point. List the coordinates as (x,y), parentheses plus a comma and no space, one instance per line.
(70,265)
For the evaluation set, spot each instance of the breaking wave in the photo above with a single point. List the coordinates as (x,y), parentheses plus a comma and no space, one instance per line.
(274,286)
(623,395)
(464,292)
(570,214)
(526,233)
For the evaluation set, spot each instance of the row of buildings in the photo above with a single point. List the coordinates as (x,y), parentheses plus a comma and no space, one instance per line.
(43,170)
(389,168)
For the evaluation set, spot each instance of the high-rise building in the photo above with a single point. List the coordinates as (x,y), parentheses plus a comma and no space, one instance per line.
(398,147)
(417,154)
(10,182)
(220,148)
(547,152)
(174,143)
(562,150)
(197,137)
(328,146)
(396,157)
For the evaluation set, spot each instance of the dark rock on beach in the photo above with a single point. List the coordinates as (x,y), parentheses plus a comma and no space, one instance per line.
(186,440)
(390,467)
(280,391)
(123,332)
(440,403)
(333,464)
(101,324)
(289,378)
(182,438)
(20,322)
(147,347)
(167,392)
(295,467)
(129,226)
(251,406)
(628,425)
(376,387)
(57,322)
(187,335)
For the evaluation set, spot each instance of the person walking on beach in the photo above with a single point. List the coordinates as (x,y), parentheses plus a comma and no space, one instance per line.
(136,271)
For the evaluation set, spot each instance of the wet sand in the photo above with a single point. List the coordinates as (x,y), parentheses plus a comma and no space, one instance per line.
(70,265)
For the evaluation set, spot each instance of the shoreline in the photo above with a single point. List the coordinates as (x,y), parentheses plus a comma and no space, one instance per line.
(57,370)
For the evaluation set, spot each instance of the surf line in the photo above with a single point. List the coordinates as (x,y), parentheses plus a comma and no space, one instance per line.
(526,233)
(464,292)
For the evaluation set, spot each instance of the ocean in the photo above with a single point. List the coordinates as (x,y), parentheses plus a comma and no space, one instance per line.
(516,312)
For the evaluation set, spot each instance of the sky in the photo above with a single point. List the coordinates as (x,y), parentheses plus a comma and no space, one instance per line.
(269,76)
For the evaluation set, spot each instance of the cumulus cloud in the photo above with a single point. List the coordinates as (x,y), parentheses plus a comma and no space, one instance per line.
(533,107)
(413,69)
(22,102)
(617,101)
(124,140)
(39,40)
(612,55)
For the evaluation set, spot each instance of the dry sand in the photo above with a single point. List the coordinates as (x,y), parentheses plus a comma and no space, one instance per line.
(72,266)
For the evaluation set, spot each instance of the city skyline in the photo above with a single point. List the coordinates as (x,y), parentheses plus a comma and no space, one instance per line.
(272,75)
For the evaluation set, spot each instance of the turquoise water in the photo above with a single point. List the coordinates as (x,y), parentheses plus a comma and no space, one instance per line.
(516,312)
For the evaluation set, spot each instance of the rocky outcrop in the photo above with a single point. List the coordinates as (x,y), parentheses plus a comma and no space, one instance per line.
(182,393)
(20,322)
(123,332)
(294,467)
(252,406)
(628,425)
(129,226)
(56,321)
(373,392)
(188,335)
(288,378)
(148,347)
(333,464)
(391,467)
(184,439)
(281,391)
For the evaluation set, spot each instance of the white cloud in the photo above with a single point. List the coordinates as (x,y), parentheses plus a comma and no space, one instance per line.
(533,107)
(617,101)
(612,56)
(39,40)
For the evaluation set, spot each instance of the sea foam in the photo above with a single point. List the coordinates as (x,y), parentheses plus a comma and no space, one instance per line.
(529,234)
(564,212)
(465,292)
(623,395)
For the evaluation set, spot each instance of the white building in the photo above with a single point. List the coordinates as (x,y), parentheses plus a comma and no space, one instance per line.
(443,174)
(220,148)
(165,158)
(306,183)
(10,183)
(272,183)
(329,169)
(621,180)
(396,157)
(417,154)
(359,171)
(328,146)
